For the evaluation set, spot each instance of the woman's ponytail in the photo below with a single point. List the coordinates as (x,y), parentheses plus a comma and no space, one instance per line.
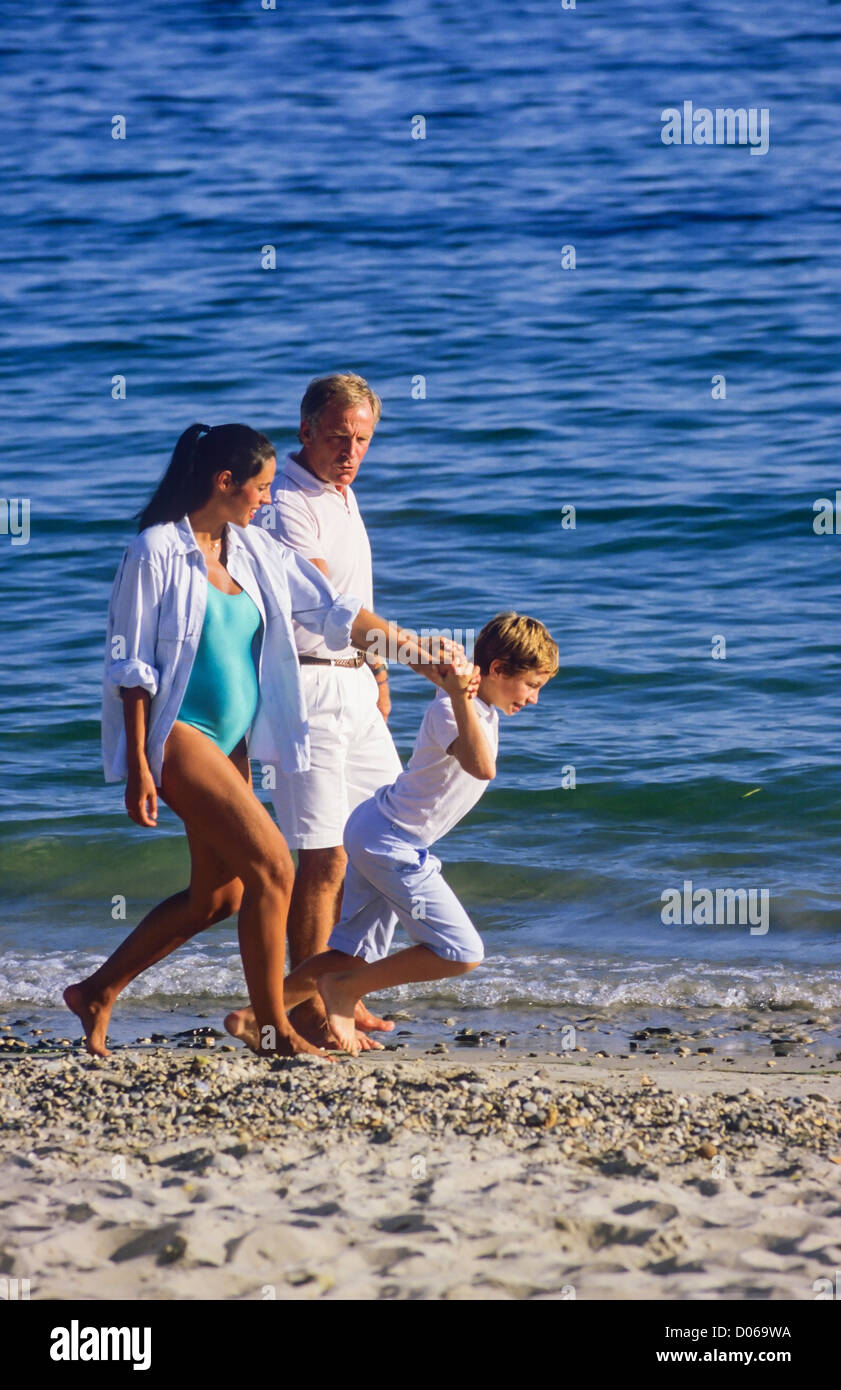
(203,451)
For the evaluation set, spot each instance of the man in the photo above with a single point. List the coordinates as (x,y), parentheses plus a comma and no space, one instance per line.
(352,752)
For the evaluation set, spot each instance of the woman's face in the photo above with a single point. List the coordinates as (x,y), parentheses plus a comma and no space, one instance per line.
(243,502)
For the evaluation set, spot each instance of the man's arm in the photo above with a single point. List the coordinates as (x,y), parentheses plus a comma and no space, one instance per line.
(319,564)
(372,633)
(376,663)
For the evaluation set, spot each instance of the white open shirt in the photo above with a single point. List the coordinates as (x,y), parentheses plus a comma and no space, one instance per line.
(157,608)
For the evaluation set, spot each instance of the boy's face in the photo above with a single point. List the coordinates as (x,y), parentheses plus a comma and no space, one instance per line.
(511,693)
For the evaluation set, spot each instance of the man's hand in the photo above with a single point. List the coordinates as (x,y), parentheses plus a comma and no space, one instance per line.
(384,700)
(142,797)
(444,650)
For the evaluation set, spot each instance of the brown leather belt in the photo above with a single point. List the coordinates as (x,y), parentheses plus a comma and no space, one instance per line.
(353,662)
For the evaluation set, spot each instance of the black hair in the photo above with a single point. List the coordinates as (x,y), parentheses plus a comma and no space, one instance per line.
(201,452)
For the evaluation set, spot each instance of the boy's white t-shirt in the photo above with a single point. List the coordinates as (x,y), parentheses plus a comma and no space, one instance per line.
(434,792)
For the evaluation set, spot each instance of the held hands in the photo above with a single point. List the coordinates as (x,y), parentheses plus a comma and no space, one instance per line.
(459,677)
(443,650)
(142,797)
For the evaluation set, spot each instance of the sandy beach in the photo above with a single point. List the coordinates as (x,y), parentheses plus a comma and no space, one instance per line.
(208,1174)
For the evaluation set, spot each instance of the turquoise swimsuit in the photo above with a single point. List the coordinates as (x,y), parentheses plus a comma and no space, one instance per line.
(221,694)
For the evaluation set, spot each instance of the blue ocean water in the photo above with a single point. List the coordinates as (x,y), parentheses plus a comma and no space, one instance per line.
(544,387)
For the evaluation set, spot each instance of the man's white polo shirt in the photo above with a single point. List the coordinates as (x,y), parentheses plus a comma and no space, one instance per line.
(321,523)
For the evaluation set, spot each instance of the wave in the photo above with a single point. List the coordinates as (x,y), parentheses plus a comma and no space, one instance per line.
(213,977)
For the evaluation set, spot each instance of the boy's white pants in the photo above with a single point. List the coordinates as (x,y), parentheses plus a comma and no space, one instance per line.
(392,879)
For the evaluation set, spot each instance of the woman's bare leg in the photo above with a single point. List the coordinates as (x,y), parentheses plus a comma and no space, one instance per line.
(212,896)
(205,790)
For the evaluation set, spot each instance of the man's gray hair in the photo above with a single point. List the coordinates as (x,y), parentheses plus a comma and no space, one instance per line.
(345,387)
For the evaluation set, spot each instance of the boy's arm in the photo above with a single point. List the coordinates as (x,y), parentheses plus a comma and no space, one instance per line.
(471,747)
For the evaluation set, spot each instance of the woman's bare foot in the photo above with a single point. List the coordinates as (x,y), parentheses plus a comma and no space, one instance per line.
(366,1022)
(242,1023)
(339,1001)
(291,1044)
(94,1016)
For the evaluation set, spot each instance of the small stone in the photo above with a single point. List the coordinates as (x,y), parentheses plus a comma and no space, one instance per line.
(707,1150)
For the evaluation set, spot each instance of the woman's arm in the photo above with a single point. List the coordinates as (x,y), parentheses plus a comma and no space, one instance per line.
(141,793)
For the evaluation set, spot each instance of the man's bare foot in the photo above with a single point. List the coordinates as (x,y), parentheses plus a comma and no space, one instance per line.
(93,1014)
(242,1023)
(339,1001)
(366,1022)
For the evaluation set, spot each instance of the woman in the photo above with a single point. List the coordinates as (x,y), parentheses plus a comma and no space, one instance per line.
(200,652)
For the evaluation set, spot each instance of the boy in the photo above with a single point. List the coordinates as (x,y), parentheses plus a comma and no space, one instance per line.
(391,876)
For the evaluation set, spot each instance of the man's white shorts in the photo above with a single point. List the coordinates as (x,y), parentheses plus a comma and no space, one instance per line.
(352,754)
(392,879)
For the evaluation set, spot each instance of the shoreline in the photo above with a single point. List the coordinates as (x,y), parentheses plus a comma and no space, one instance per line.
(196,1174)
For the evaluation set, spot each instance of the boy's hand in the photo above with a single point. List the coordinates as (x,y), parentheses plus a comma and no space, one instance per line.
(459,677)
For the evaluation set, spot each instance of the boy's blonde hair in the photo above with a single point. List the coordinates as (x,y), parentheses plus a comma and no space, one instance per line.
(522,643)
(345,387)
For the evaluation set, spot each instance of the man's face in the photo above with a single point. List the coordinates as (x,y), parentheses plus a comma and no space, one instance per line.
(334,449)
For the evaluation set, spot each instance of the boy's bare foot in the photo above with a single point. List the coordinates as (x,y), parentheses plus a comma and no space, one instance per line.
(310,1020)
(94,1016)
(339,1001)
(293,1045)
(366,1022)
